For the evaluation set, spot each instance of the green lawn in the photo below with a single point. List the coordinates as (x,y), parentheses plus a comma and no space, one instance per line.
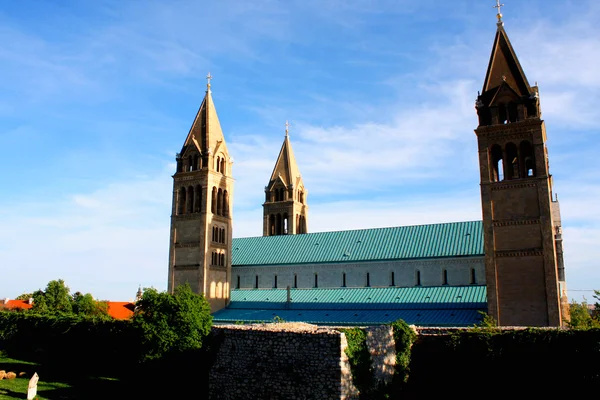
(53,385)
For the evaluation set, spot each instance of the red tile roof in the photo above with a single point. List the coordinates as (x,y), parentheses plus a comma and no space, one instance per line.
(13,304)
(120,309)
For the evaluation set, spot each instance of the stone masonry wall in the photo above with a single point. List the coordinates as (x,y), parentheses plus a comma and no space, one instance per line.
(280,361)
(382,348)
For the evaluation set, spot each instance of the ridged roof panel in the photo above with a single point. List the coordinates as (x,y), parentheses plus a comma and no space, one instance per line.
(442,318)
(418,297)
(454,239)
(423,306)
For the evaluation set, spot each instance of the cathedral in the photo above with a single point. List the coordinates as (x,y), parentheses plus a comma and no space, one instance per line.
(508,265)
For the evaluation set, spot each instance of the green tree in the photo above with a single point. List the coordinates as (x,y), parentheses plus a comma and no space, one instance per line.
(55,299)
(171,323)
(84,304)
(580,316)
(24,296)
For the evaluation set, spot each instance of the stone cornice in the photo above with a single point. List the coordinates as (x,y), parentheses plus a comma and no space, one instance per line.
(520,253)
(532,221)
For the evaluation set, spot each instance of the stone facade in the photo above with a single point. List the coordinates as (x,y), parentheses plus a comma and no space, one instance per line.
(280,361)
(285,210)
(523,247)
(403,273)
(201,214)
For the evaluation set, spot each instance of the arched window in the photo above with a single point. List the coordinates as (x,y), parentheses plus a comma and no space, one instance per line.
(297,223)
(238,282)
(445,277)
(393,280)
(512,112)
(285,224)
(418,278)
(502,114)
(271,225)
(528,159)
(197,162)
(278,224)
(190,202)
(198,201)
(275,282)
(220,202)
(190,163)
(473,277)
(218,164)
(213,205)
(182,194)
(214,233)
(316,280)
(368,279)
(223,165)
(343,279)
(256,282)
(512,161)
(497,166)
(295,281)
(179,164)
(225,204)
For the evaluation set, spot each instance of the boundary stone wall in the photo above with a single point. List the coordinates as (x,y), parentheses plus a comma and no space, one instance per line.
(289,361)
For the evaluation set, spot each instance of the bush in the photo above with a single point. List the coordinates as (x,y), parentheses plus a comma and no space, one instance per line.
(171,323)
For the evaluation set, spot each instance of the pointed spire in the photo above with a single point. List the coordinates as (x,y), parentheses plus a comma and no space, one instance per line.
(206,132)
(286,167)
(504,66)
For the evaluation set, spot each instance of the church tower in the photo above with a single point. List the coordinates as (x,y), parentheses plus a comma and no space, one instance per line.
(285,209)
(521,220)
(200,243)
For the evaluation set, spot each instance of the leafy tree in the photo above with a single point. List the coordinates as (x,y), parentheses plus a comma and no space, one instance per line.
(24,296)
(580,316)
(84,304)
(55,299)
(171,323)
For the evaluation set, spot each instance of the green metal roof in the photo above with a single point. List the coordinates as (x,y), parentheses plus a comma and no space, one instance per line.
(454,239)
(422,305)
(441,318)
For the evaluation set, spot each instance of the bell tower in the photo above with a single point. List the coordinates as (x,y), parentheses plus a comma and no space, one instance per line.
(285,208)
(201,218)
(521,220)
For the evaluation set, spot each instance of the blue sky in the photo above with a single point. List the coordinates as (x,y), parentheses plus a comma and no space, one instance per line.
(97,97)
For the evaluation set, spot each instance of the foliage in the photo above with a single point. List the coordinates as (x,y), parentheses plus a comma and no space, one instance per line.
(404,337)
(171,322)
(507,360)
(65,340)
(278,320)
(596,311)
(486,321)
(580,317)
(85,304)
(359,358)
(24,296)
(55,299)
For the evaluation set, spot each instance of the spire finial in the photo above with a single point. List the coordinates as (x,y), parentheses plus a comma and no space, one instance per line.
(499,15)
(208,78)
(287,128)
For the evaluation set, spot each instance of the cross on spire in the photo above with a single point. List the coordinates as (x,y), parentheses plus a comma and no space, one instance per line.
(287,128)
(208,78)
(499,7)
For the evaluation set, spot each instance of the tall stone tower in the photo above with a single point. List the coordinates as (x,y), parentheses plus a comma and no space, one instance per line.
(285,209)
(522,233)
(200,244)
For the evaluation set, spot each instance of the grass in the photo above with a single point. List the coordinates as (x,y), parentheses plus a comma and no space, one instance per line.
(52,385)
